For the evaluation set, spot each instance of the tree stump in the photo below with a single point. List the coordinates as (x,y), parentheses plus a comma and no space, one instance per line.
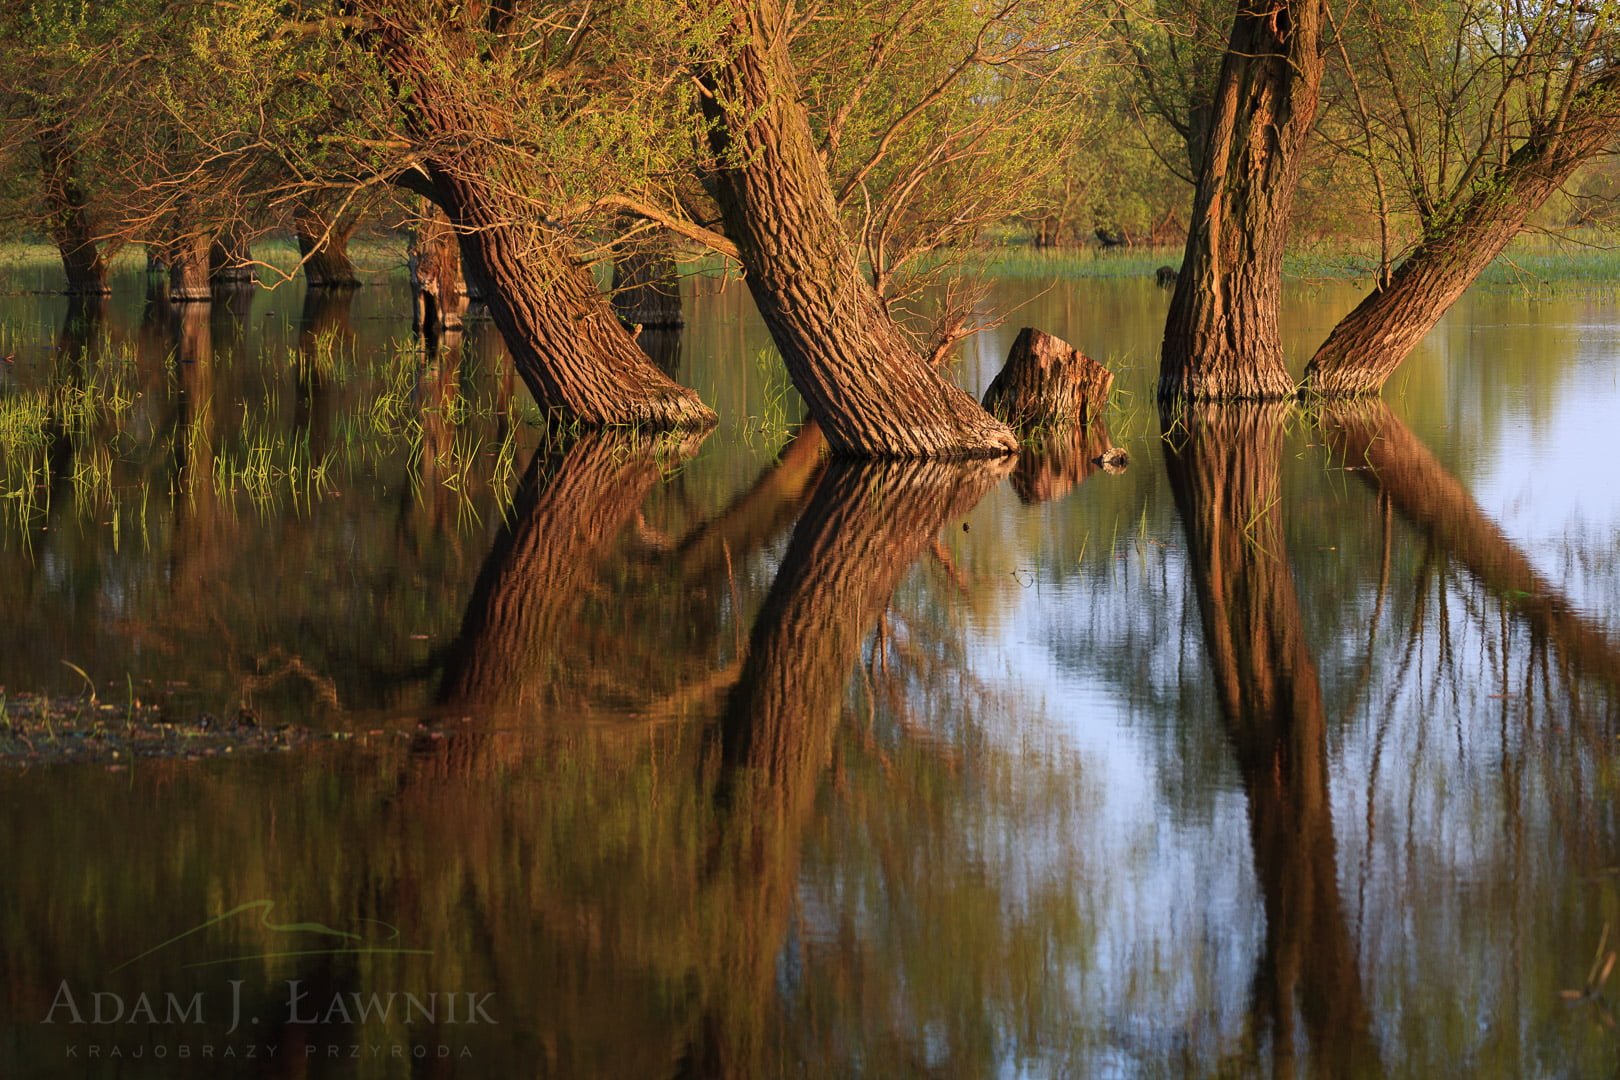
(438,294)
(1048,382)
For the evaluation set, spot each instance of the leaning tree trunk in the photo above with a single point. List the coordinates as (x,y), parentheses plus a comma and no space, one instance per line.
(1224,465)
(230,259)
(69,215)
(647,288)
(576,358)
(323,248)
(188,269)
(1221,339)
(862,380)
(438,294)
(1368,344)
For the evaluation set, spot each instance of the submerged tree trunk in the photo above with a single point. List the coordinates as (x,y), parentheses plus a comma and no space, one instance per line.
(1368,344)
(69,215)
(576,358)
(323,247)
(870,390)
(647,289)
(1221,339)
(230,259)
(438,294)
(1224,465)
(188,269)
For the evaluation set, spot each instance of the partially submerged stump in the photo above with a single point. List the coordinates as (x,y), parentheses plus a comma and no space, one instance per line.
(1048,382)
(438,294)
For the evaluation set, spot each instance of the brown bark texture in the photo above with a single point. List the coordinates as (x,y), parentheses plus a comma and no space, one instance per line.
(1224,465)
(1046,382)
(647,289)
(438,294)
(577,360)
(1221,340)
(1435,502)
(862,380)
(323,247)
(188,269)
(69,215)
(1368,344)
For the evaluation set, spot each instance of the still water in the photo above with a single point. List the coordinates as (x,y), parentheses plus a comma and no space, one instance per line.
(1289,750)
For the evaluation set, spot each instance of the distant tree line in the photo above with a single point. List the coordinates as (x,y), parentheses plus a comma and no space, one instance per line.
(846,153)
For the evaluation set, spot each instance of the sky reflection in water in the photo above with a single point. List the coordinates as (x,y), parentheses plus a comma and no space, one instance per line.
(1290,749)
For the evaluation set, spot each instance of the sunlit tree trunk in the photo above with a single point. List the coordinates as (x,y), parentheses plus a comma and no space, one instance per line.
(1224,465)
(323,246)
(69,215)
(861,378)
(188,269)
(1221,338)
(438,293)
(576,358)
(1368,344)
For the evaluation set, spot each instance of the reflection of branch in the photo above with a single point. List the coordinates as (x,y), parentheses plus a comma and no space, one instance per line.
(1436,503)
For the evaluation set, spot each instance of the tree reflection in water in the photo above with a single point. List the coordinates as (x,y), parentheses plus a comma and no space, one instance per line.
(1224,468)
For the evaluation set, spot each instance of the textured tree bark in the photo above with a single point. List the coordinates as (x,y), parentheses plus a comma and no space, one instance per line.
(230,259)
(577,360)
(862,380)
(1224,465)
(1046,382)
(438,293)
(1368,344)
(188,269)
(1437,504)
(323,247)
(647,289)
(69,215)
(1221,339)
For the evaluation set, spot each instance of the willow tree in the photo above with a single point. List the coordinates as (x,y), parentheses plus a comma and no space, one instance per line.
(40,44)
(1482,111)
(911,130)
(1221,337)
(491,111)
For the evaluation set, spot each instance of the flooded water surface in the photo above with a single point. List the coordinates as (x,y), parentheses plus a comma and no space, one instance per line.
(1290,749)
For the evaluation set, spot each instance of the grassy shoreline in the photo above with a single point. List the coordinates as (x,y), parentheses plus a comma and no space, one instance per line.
(1588,260)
